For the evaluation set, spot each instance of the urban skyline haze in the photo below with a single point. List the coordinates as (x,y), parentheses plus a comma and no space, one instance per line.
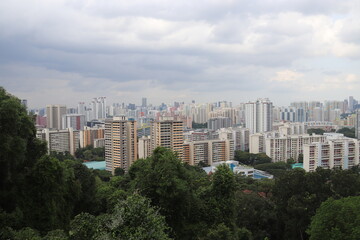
(65,52)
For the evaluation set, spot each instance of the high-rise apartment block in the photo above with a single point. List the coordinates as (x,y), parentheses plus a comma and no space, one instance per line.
(219,122)
(61,141)
(98,106)
(54,115)
(291,146)
(168,134)
(208,151)
(337,152)
(120,143)
(259,116)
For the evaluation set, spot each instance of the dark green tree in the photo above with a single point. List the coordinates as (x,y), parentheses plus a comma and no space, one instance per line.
(336,219)
(49,195)
(19,148)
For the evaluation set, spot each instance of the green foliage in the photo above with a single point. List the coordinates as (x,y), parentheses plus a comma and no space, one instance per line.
(135,219)
(62,156)
(56,235)
(83,226)
(223,189)
(336,219)
(348,132)
(26,234)
(89,153)
(317,131)
(277,169)
(171,186)
(198,125)
(251,158)
(19,148)
(290,161)
(301,158)
(49,194)
(119,172)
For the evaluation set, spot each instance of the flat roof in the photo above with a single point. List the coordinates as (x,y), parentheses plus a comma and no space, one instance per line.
(100,165)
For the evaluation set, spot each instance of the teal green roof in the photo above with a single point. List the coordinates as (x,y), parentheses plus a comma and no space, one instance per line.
(297,165)
(96,165)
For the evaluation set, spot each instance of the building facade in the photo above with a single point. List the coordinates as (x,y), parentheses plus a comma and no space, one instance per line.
(168,134)
(54,114)
(337,152)
(259,116)
(120,143)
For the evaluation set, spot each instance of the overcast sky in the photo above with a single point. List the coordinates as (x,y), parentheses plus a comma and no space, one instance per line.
(63,52)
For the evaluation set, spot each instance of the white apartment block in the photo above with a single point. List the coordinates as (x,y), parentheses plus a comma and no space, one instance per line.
(144,147)
(259,116)
(337,152)
(280,149)
(239,135)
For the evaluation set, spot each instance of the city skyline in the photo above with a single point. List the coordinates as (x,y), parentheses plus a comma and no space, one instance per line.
(176,51)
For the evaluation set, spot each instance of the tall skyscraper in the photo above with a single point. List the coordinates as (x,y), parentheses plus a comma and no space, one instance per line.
(120,143)
(81,108)
(144,102)
(54,115)
(168,134)
(98,106)
(259,116)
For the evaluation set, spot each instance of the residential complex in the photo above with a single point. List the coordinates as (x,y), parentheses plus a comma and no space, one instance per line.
(120,143)
(168,134)
(337,152)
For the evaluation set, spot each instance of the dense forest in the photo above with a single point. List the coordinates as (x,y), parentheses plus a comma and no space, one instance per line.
(50,197)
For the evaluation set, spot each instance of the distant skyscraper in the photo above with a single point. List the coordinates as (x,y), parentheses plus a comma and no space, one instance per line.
(351,103)
(81,108)
(259,116)
(120,143)
(98,106)
(54,115)
(75,121)
(144,103)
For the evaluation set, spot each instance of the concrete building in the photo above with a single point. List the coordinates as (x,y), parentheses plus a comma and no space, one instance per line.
(54,114)
(357,124)
(120,143)
(239,135)
(208,151)
(259,116)
(337,152)
(75,121)
(289,146)
(219,122)
(98,108)
(90,134)
(100,142)
(60,141)
(144,147)
(168,134)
